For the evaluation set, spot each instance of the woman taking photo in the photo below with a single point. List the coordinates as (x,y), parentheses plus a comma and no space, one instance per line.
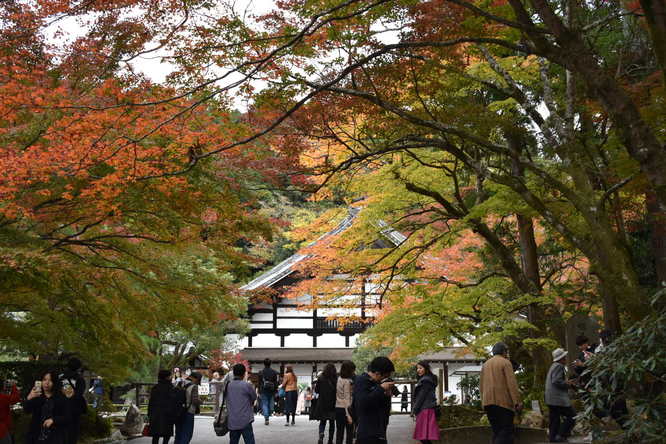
(50,412)
(290,387)
(425,403)
(343,402)
(325,408)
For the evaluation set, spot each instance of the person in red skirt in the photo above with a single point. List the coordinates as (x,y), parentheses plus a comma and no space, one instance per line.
(425,404)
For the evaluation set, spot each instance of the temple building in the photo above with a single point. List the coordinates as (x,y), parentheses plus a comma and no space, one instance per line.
(288,330)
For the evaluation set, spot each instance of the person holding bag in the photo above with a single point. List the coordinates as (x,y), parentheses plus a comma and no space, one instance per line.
(240,398)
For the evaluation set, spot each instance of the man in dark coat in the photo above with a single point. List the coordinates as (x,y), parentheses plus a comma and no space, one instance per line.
(77,402)
(162,408)
(372,400)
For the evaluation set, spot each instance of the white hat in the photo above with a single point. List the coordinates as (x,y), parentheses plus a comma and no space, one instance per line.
(558,354)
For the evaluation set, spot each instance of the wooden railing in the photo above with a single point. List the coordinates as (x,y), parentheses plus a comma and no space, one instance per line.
(321,323)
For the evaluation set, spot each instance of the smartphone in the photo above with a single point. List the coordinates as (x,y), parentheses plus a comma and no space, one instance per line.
(38,385)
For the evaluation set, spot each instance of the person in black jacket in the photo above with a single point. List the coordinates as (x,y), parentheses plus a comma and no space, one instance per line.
(162,408)
(268,384)
(425,405)
(50,411)
(372,401)
(74,388)
(325,407)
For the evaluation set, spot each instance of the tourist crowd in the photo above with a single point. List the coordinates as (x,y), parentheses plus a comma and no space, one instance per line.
(352,408)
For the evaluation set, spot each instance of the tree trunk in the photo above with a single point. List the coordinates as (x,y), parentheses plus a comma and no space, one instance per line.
(655,16)
(657,223)
(536,313)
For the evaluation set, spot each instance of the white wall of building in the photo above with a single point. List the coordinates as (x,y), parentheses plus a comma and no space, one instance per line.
(266,341)
(331,340)
(298,340)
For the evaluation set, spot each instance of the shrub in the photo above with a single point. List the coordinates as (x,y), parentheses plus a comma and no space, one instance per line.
(459,416)
(92,426)
(634,366)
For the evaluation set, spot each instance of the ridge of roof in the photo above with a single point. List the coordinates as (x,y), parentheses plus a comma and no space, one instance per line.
(286,267)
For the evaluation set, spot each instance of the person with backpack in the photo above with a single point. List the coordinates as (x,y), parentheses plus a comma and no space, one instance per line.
(325,408)
(190,406)
(268,384)
(241,396)
(74,387)
(162,408)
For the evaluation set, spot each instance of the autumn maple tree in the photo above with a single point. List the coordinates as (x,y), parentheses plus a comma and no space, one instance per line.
(104,239)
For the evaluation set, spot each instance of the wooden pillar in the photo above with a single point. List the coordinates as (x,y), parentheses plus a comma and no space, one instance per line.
(446,376)
(138,398)
(440,386)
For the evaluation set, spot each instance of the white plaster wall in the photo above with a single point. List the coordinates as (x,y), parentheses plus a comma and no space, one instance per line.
(294,312)
(281,311)
(332,340)
(295,323)
(254,325)
(300,340)
(266,341)
(262,317)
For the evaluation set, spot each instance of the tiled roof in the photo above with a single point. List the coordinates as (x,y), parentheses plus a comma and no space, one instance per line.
(287,267)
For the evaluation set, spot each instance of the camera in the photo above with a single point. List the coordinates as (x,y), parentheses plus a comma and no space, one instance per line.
(394,389)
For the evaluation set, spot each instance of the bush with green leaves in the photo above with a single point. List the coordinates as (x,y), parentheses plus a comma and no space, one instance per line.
(634,367)
(470,388)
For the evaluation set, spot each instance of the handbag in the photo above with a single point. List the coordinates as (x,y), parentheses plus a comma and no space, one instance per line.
(146,430)
(281,392)
(221,423)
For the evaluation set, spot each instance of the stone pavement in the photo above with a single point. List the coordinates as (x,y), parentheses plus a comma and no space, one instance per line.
(304,432)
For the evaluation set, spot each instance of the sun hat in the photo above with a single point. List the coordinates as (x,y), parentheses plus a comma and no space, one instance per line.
(558,354)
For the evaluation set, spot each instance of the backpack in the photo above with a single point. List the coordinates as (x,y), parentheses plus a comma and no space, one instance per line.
(268,385)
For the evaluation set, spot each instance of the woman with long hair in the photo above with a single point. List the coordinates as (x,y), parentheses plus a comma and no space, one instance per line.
(343,402)
(290,385)
(425,404)
(50,412)
(325,408)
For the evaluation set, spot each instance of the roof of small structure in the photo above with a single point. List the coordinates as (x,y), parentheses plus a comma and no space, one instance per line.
(467,369)
(450,354)
(287,267)
(293,355)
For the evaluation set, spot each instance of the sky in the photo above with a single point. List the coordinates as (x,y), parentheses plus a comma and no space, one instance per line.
(152,65)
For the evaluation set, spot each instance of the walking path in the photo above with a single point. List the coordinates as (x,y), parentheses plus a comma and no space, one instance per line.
(304,432)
